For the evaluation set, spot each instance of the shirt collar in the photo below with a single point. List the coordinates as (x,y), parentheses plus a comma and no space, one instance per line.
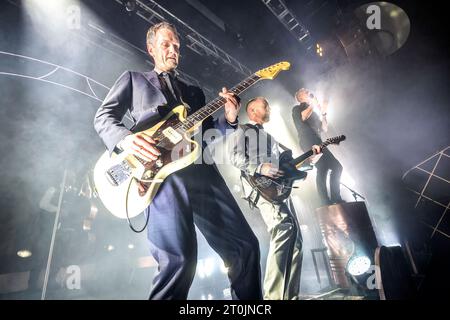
(173,73)
(256,124)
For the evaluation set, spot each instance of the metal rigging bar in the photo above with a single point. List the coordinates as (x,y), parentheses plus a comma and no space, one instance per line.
(291,23)
(152,12)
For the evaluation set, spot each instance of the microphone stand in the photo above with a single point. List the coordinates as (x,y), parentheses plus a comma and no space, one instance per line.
(52,243)
(354,193)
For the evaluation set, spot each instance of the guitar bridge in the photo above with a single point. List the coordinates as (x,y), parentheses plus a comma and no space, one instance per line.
(263,182)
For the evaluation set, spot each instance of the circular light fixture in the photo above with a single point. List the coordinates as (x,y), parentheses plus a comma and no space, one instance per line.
(24,253)
(358,265)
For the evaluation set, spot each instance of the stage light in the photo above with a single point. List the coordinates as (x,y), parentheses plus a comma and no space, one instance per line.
(24,253)
(236,188)
(87,225)
(360,270)
(131,246)
(226,292)
(205,267)
(358,265)
(395,13)
(130,5)
(110,247)
(223,268)
(49,9)
(347,179)
(319,50)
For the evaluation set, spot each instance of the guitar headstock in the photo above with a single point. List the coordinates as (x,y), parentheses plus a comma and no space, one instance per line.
(272,71)
(333,140)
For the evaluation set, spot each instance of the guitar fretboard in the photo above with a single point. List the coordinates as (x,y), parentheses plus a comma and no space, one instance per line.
(217,103)
(323,145)
(302,158)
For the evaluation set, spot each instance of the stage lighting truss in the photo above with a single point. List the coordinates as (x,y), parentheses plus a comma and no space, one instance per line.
(154,13)
(290,22)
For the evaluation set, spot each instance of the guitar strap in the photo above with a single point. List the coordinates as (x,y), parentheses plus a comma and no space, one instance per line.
(255,192)
(283,147)
(251,203)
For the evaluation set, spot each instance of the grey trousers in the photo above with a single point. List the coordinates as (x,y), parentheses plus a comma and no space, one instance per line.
(284,259)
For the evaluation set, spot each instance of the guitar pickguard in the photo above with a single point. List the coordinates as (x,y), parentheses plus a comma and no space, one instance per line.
(119,173)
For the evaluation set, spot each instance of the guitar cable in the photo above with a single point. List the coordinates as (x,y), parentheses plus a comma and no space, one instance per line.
(126,210)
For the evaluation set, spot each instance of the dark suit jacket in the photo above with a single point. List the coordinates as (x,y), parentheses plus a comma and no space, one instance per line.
(135,103)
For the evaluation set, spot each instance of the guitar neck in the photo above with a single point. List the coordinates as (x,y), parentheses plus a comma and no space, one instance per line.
(301,158)
(295,162)
(216,104)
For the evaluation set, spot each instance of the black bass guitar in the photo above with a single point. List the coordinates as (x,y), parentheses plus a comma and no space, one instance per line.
(276,190)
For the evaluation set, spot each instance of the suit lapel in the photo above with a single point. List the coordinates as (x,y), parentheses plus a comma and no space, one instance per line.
(154,81)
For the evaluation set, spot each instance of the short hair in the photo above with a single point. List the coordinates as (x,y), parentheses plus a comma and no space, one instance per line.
(299,91)
(253,100)
(151,33)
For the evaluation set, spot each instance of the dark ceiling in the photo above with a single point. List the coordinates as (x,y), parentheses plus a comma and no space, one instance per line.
(250,32)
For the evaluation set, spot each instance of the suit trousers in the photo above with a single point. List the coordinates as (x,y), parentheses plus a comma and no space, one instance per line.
(285,255)
(198,195)
(328,163)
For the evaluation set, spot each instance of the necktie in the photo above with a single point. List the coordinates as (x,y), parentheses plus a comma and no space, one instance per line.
(167,87)
(268,138)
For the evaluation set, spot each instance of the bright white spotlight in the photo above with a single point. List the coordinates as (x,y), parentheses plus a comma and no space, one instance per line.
(131,246)
(304,227)
(205,267)
(347,179)
(319,50)
(54,8)
(358,265)
(87,224)
(110,247)
(25,253)
(226,292)
(274,108)
(223,268)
